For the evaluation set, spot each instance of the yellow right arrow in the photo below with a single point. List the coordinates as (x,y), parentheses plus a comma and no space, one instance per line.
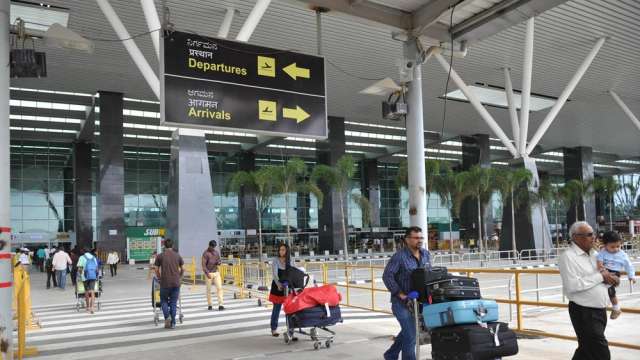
(296,72)
(298,114)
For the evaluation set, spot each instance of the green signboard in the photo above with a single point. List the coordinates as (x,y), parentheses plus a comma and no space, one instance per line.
(142,242)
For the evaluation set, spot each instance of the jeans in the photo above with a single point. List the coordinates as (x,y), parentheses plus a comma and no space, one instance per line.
(405,341)
(169,301)
(589,325)
(61,275)
(275,315)
(217,281)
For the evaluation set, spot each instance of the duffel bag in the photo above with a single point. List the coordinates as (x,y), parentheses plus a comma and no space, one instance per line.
(310,297)
(473,342)
(317,316)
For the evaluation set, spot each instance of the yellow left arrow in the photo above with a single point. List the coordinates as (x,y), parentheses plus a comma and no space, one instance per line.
(297,72)
(298,114)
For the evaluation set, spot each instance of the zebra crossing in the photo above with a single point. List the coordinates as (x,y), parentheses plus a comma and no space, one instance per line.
(126,325)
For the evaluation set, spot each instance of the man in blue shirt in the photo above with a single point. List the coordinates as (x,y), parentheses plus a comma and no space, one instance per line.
(397,279)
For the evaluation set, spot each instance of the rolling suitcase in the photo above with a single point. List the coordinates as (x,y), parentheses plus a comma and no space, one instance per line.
(473,342)
(421,277)
(459,313)
(453,288)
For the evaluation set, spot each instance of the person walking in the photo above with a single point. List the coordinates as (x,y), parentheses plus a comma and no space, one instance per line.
(25,259)
(51,272)
(279,267)
(88,267)
(586,288)
(169,268)
(61,262)
(210,262)
(74,254)
(112,260)
(397,279)
(40,258)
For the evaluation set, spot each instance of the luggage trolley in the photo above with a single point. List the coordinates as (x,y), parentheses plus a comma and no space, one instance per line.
(79,291)
(314,319)
(156,303)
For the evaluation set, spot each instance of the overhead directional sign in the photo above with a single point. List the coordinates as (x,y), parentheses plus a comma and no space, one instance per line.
(214,83)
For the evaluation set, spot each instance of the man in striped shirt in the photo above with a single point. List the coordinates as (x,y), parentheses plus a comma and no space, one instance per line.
(397,278)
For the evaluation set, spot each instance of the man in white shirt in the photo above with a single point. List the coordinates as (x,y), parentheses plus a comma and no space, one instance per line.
(112,260)
(61,262)
(586,289)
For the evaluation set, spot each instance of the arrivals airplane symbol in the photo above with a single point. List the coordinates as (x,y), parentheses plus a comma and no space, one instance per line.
(266,66)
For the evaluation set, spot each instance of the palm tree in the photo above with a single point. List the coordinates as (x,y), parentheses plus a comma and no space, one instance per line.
(365,208)
(450,195)
(338,178)
(262,184)
(294,176)
(577,191)
(478,184)
(511,184)
(558,201)
(608,187)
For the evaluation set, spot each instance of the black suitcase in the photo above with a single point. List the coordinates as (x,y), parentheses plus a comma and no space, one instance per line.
(454,288)
(315,317)
(473,342)
(421,277)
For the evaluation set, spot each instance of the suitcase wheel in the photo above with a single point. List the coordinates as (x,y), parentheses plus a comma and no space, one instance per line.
(316,345)
(327,343)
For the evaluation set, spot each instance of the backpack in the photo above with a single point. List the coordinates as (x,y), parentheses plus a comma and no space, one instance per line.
(91,269)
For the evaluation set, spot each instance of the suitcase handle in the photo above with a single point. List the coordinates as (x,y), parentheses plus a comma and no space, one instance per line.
(446,317)
(480,311)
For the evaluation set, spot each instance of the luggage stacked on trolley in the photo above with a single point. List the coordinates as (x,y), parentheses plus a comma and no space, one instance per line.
(310,311)
(462,325)
(79,292)
(156,302)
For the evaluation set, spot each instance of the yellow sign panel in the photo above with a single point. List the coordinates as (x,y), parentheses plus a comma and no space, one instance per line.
(266,66)
(267,110)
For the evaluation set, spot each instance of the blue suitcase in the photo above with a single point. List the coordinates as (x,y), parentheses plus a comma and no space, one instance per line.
(459,313)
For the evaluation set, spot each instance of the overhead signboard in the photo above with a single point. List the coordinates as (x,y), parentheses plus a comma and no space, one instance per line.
(213,83)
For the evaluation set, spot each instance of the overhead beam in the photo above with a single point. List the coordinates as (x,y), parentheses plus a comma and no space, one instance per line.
(130,45)
(513,113)
(475,102)
(525,95)
(625,108)
(253,20)
(367,10)
(499,17)
(551,115)
(429,14)
(153,23)
(223,32)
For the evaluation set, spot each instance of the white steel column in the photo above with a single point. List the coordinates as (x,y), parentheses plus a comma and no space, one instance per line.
(513,113)
(6,277)
(223,32)
(544,126)
(625,108)
(475,102)
(131,46)
(415,145)
(153,22)
(252,20)
(527,69)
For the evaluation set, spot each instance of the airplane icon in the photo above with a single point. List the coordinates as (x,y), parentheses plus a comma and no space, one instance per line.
(266,66)
(267,110)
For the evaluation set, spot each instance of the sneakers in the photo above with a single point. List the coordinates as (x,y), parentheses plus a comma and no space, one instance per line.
(615,314)
(210,308)
(220,308)
(167,323)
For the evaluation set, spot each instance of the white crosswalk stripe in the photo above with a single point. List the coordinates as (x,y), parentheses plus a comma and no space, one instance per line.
(125,325)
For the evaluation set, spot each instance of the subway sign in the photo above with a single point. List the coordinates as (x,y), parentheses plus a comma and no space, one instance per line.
(212,83)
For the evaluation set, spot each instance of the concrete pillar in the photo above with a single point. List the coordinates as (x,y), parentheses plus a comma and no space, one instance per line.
(82,194)
(475,151)
(371,188)
(6,291)
(328,152)
(110,175)
(247,201)
(578,164)
(68,199)
(191,219)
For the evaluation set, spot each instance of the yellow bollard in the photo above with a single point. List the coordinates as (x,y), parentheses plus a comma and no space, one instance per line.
(21,281)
